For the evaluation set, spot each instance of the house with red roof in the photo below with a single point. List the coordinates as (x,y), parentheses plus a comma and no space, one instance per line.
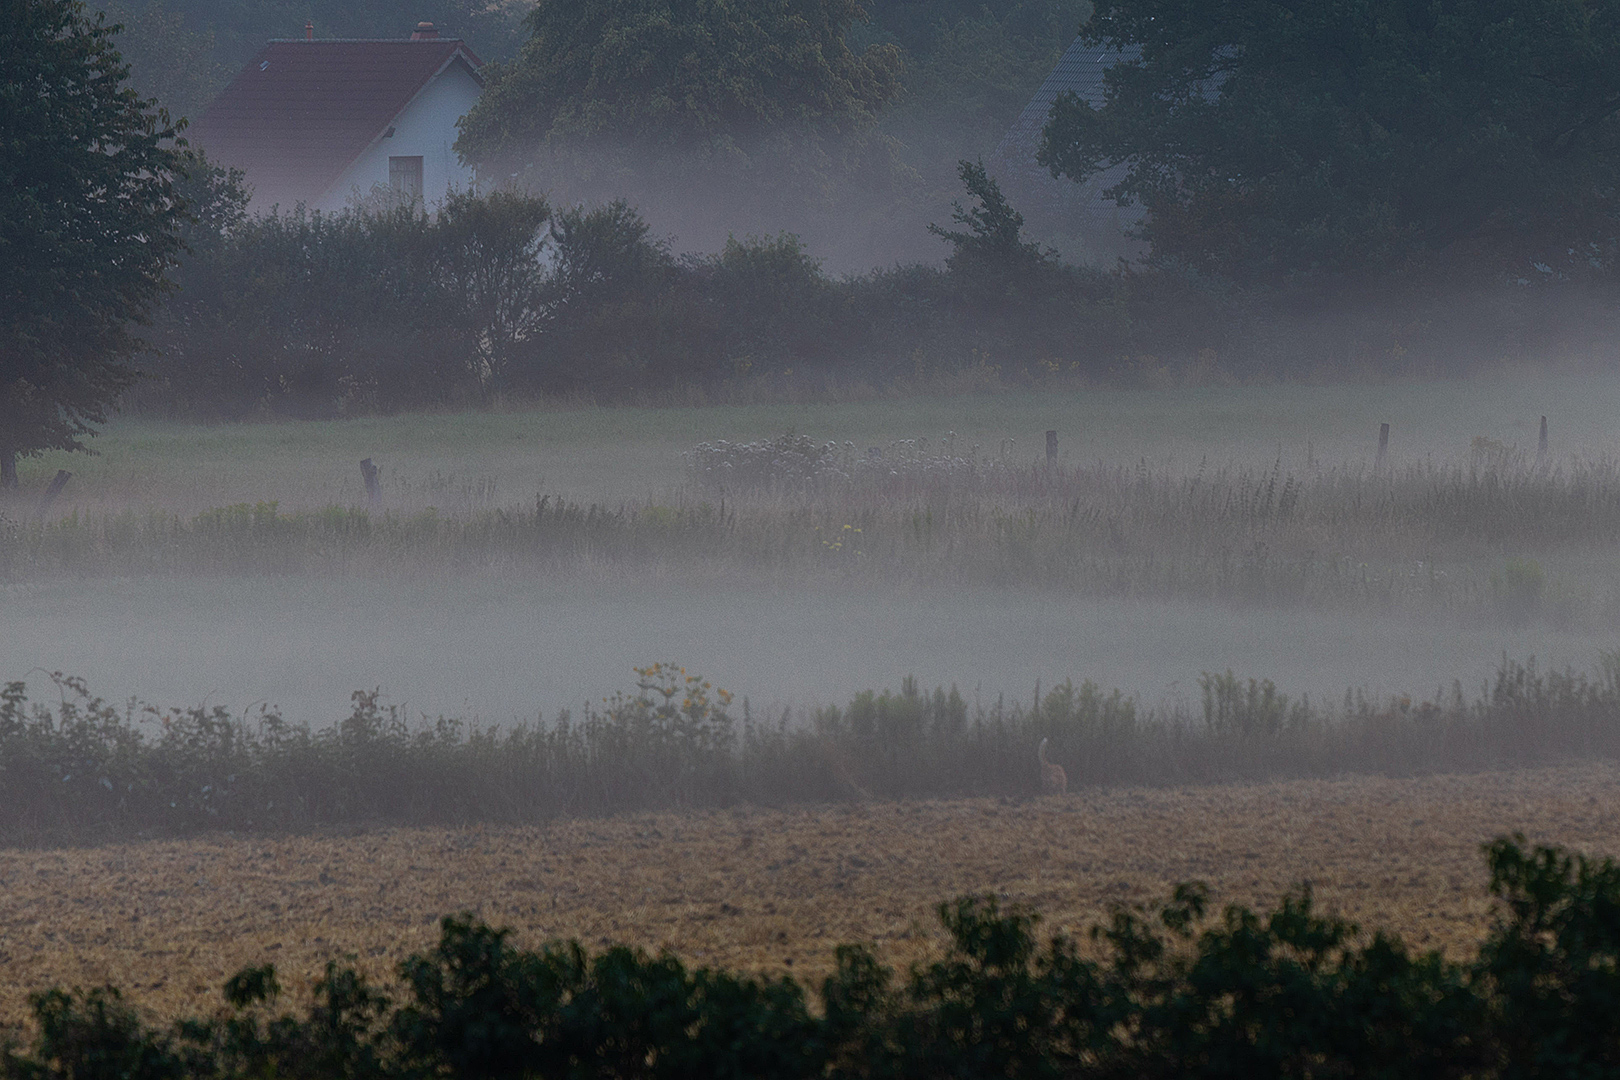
(321,122)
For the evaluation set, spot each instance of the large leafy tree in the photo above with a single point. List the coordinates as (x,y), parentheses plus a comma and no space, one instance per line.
(89,220)
(679,74)
(169,58)
(712,117)
(1337,142)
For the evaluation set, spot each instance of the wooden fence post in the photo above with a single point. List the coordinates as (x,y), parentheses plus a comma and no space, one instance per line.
(369,473)
(1051,447)
(1383,444)
(58,482)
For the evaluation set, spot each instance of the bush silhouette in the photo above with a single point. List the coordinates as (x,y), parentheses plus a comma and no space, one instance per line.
(1170,992)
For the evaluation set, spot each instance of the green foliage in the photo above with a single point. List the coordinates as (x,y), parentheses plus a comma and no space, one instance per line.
(369,309)
(605,256)
(309,313)
(89,221)
(382,307)
(970,67)
(488,251)
(774,305)
(624,312)
(715,75)
(483,1008)
(1553,960)
(172,58)
(1327,144)
(991,256)
(95,1035)
(714,118)
(216,201)
(1165,993)
(343,1033)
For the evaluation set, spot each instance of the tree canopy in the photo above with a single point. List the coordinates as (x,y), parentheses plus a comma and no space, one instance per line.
(990,255)
(677,74)
(1330,142)
(89,220)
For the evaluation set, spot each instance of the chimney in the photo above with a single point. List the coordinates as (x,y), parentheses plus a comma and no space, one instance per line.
(309,31)
(425,31)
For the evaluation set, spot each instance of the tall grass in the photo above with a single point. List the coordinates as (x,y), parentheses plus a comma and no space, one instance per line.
(1495,535)
(78,767)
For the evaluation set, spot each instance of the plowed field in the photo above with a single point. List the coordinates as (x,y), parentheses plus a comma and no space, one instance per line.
(769,890)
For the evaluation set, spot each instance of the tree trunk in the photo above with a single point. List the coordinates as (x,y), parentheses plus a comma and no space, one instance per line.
(8,468)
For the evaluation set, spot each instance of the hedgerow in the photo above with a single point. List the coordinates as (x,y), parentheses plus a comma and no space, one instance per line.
(79,768)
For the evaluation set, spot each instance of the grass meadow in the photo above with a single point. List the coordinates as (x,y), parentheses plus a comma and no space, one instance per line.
(604,455)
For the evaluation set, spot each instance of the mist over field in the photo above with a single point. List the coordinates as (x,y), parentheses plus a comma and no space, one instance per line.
(544,538)
(492,649)
(484,635)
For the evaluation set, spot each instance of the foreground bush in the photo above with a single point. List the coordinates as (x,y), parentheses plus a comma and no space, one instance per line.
(1167,993)
(79,768)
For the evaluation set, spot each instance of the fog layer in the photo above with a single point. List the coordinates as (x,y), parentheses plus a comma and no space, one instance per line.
(489,648)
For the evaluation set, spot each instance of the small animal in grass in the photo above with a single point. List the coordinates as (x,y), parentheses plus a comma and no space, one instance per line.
(1053,779)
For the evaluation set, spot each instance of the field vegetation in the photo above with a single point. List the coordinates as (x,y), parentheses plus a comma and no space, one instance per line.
(82,768)
(636,529)
(1498,536)
(600,453)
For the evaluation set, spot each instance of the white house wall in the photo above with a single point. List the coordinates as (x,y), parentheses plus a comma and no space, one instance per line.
(427,128)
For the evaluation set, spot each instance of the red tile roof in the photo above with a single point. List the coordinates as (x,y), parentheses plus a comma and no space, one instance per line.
(301,112)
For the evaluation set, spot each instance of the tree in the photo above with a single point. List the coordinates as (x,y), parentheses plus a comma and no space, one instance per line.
(711,116)
(191,48)
(990,257)
(1334,143)
(623,310)
(603,255)
(685,75)
(89,221)
(168,59)
(216,199)
(776,307)
(489,263)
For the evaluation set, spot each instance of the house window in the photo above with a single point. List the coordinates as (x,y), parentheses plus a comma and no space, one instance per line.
(405,176)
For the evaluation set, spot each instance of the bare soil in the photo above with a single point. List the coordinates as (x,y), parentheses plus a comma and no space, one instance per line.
(770,890)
